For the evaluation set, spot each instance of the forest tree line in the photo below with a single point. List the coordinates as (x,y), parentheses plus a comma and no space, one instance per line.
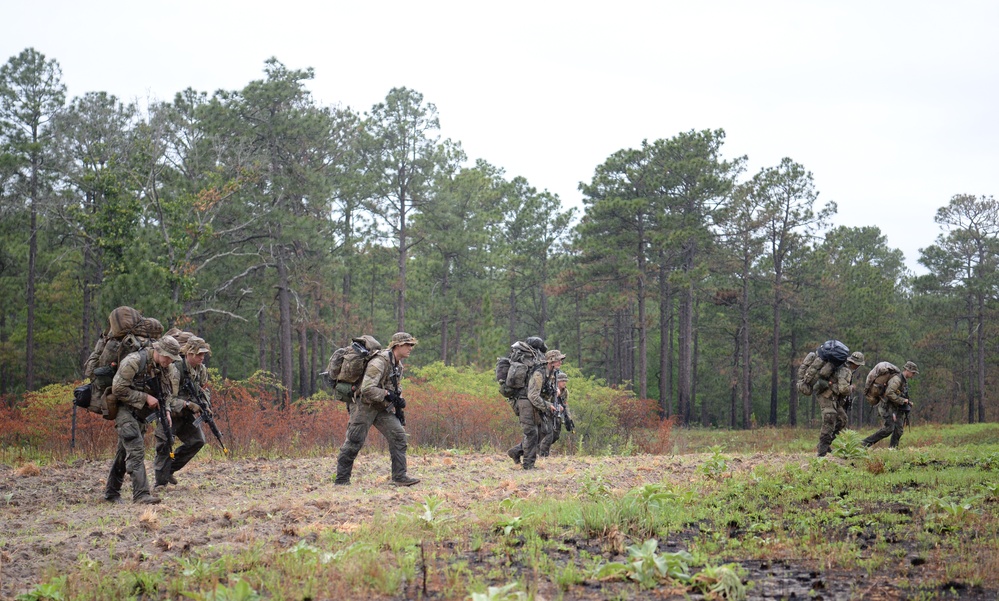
(277,228)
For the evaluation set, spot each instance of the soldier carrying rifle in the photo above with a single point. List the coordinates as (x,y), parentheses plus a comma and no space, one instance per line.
(894,407)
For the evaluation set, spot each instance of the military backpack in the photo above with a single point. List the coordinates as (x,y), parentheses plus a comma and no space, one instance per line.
(347,364)
(128,331)
(877,381)
(513,372)
(819,365)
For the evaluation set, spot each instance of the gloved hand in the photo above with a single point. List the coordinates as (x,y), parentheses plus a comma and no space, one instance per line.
(393,398)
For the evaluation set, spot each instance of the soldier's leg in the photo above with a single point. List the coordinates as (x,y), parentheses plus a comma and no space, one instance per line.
(395,433)
(162,464)
(193,439)
(896,433)
(529,419)
(130,435)
(545,432)
(357,431)
(827,432)
(841,420)
(885,431)
(557,431)
(116,477)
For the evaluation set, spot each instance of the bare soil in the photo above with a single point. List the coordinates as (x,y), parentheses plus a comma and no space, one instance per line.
(54,516)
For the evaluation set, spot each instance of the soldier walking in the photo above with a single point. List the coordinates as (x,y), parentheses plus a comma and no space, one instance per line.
(536,404)
(894,407)
(835,399)
(131,390)
(379,392)
(190,372)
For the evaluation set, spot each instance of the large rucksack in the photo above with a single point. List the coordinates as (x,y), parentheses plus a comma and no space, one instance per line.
(514,371)
(821,364)
(347,364)
(877,381)
(128,331)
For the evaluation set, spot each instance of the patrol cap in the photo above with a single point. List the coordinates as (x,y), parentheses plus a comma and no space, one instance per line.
(400,338)
(910,366)
(857,358)
(554,355)
(197,346)
(562,377)
(168,346)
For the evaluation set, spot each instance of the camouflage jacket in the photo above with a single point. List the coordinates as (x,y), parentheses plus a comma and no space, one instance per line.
(381,375)
(130,385)
(199,377)
(536,393)
(897,390)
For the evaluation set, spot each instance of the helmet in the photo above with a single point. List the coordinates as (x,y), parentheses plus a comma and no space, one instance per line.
(537,343)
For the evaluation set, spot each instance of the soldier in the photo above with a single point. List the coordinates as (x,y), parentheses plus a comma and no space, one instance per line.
(185,412)
(561,415)
(536,404)
(894,407)
(835,399)
(130,391)
(379,391)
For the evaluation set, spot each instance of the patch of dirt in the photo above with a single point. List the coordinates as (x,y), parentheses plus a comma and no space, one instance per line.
(54,517)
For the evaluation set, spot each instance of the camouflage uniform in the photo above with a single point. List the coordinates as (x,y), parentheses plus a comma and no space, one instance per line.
(833,400)
(381,376)
(893,407)
(534,406)
(556,421)
(183,416)
(130,387)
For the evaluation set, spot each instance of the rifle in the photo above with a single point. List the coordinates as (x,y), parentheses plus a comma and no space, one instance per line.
(197,397)
(398,401)
(162,413)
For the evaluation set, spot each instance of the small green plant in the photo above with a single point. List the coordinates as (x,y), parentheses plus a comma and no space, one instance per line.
(239,591)
(594,487)
(849,445)
(723,581)
(509,525)
(50,591)
(716,465)
(506,592)
(430,511)
(647,567)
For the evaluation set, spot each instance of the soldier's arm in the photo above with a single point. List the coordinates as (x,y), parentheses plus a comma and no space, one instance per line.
(371,391)
(123,384)
(893,392)
(178,400)
(534,386)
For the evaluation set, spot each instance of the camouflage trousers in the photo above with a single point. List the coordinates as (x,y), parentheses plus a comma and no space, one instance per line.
(834,419)
(129,458)
(893,426)
(532,424)
(553,431)
(362,418)
(192,438)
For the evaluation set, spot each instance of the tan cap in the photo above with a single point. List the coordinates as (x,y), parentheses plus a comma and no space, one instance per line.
(400,338)
(562,377)
(168,346)
(910,366)
(197,346)
(554,355)
(857,358)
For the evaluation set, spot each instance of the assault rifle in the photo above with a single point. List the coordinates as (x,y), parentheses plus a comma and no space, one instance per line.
(198,398)
(395,395)
(162,413)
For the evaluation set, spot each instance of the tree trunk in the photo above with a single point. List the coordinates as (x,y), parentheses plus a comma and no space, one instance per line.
(981,357)
(303,347)
(745,374)
(664,334)
(792,409)
(262,337)
(284,329)
(643,350)
(686,354)
(775,361)
(513,313)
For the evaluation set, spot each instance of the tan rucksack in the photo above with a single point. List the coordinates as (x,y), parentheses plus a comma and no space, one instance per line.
(877,381)
(812,369)
(347,364)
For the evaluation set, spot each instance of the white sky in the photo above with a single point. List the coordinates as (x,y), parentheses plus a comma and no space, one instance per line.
(891,105)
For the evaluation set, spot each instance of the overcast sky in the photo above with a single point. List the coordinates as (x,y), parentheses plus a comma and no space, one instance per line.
(891,105)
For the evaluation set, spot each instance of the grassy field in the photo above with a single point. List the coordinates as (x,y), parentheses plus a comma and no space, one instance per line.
(746,515)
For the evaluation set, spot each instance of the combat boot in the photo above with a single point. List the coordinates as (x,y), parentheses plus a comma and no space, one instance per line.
(515,455)
(405,480)
(147,499)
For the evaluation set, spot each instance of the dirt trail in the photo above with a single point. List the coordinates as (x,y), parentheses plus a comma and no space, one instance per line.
(57,517)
